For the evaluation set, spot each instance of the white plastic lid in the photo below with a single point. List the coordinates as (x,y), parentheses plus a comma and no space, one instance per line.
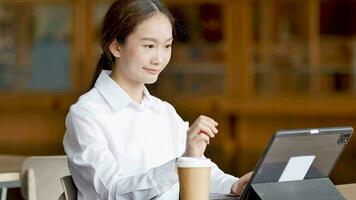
(193,162)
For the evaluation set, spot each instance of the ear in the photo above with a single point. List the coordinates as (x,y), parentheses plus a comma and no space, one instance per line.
(115,48)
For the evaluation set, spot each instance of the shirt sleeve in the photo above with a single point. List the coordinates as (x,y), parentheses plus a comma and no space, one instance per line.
(220,181)
(93,166)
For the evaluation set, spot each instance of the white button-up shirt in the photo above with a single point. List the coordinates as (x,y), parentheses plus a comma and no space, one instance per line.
(119,149)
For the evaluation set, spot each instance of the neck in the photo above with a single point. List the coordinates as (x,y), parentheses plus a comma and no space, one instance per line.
(132,88)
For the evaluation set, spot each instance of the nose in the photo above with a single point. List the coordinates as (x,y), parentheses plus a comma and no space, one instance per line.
(157,58)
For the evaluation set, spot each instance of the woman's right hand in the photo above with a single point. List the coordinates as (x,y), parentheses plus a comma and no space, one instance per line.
(198,136)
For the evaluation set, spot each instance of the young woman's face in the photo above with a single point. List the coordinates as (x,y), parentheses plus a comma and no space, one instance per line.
(146,51)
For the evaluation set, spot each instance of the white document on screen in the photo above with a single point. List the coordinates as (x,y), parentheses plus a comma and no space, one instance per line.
(297,168)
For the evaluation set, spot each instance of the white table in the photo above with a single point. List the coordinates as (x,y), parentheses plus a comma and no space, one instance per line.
(10,168)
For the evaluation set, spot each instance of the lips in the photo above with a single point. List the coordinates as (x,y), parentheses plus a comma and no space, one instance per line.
(152,70)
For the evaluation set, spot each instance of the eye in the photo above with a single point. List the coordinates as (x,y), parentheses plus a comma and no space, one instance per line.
(168,46)
(149,46)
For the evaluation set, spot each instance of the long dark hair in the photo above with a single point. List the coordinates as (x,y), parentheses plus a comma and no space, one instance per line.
(120,21)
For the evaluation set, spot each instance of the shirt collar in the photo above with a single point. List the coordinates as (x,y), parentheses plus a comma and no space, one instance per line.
(147,98)
(115,95)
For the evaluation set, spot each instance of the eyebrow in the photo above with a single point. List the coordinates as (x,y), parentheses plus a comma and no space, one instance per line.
(154,40)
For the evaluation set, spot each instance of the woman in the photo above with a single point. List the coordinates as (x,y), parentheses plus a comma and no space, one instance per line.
(121,142)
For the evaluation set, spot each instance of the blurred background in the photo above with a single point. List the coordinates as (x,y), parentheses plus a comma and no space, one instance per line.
(256,66)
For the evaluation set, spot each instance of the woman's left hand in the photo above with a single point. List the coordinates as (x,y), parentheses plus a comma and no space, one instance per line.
(239,186)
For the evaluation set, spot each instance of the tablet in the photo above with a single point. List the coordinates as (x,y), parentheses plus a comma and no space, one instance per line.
(301,154)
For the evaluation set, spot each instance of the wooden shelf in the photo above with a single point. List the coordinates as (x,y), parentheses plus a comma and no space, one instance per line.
(30,102)
(336,106)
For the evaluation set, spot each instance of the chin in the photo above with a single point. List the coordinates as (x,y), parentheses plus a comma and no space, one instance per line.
(151,81)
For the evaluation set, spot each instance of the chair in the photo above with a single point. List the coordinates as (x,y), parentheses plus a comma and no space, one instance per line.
(70,190)
(40,177)
(10,165)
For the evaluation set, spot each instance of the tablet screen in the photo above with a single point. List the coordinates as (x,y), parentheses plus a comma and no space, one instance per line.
(304,154)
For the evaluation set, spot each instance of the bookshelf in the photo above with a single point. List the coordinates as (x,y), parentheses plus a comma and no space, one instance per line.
(293,71)
(36,50)
(254,65)
(294,51)
(38,73)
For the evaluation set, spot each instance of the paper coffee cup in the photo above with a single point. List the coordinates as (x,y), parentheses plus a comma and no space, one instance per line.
(194,178)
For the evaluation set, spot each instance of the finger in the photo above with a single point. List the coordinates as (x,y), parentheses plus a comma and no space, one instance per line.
(246,178)
(209,119)
(243,188)
(209,122)
(203,137)
(205,133)
(206,130)
(197,129)
(211,126)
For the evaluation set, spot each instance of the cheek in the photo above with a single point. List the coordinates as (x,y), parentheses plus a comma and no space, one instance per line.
(133,51)
(168,57)
(136,60)
(141,55)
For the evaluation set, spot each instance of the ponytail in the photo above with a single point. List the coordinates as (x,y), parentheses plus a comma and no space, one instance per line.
(105,62)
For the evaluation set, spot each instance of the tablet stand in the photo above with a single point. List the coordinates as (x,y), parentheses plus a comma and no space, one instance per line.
(308,189)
